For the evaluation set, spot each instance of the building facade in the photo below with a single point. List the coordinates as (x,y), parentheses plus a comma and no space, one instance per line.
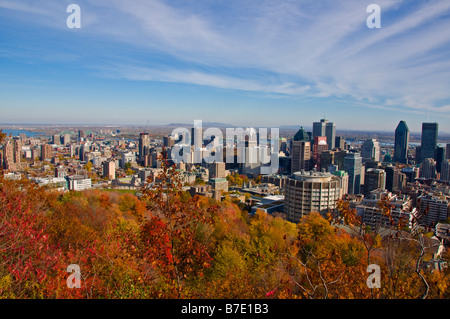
(370,150)
(428,168)
(301,156)
(353,167)
(374,178)
(311,191)
(401,143)
(428,141)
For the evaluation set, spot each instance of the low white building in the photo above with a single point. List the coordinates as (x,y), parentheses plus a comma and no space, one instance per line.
(79,182)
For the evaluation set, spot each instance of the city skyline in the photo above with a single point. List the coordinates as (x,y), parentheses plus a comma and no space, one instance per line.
(248,64)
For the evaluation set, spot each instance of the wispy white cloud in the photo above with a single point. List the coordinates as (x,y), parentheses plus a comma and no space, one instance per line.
(310,49)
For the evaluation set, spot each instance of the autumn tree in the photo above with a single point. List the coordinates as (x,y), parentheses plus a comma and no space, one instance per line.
(176,233)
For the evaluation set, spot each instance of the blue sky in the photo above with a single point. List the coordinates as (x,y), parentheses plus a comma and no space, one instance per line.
(244,62)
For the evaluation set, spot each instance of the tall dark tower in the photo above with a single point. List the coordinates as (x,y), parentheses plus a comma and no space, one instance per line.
(144,140)
(301,151)
(401,143)
(429,140)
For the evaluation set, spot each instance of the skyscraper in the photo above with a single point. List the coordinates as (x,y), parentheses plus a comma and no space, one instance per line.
(144,140)
(56,139)
(65,139)
(46,151)
(216,170)
(326,159)
(339,158)
(301,151)
(301,156)
(8,155)
(330,133)
(325,128)
(393,178)
(320,145)
(439,157)
(429,140)
(374,179)
(81,135)
(339,142)
(428,168)
(370,150)
(109,169)
(302,135)
(319,128)
(82,153)
(445,171)
(447,151)
(197,136)
(401,143)
(352,165)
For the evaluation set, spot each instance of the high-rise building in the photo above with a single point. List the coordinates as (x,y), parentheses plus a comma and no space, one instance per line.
(439,157)
(252,163)
(339,142)
(401,143)
(418,157)
(17,149)
(445,170)
(302,135)
(169,141)
(343,176)
(308,192)
(339,158)
(411,173)
(301,156)
(300,151)
(325,128)
(109,169)
(318,128)
(428,168)
(65,139)
(8,156)
(370,150)
(320,145)
(82,153)
(197,137)
(392,178)
(353,167)
(330,133)
(326,159)
(429,141)
(81,135)
(374,179)
(56,139)
(46,151)
(144,140)
(216,170)
(447,151)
